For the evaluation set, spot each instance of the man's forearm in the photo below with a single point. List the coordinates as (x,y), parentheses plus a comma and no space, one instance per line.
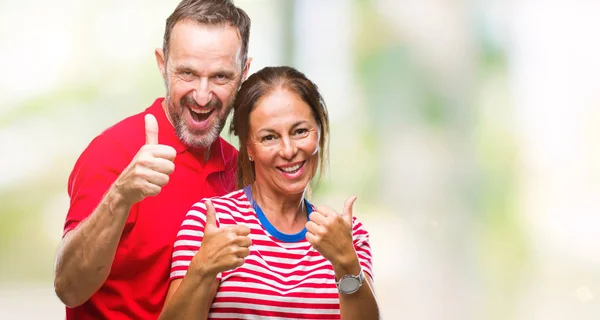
(86,254)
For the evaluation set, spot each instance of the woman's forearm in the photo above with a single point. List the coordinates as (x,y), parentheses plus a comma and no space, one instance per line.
(191,299)
(361,304)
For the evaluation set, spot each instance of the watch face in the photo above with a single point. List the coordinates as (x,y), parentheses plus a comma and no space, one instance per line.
(349,284)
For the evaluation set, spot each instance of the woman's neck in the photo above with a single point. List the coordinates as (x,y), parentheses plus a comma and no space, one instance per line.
(286,213)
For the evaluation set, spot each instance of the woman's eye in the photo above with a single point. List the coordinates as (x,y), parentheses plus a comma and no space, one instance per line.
(269,140)
(301,132)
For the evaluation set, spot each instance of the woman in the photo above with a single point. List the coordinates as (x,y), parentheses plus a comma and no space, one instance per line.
(264,250)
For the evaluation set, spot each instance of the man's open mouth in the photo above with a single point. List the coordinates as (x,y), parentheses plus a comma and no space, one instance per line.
(200,115)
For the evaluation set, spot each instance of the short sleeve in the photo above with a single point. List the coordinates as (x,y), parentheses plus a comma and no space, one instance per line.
(95,171)
(188,241)
(362,246)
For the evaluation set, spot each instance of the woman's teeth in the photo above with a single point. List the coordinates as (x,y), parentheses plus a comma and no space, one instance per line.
(291,169)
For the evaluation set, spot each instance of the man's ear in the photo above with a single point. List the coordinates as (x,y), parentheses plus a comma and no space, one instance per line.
(246,69)
(160,60)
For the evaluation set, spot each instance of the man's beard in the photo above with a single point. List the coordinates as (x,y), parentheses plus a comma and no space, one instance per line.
(183,132)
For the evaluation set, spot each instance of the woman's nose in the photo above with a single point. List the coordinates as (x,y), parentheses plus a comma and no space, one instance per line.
(288,148)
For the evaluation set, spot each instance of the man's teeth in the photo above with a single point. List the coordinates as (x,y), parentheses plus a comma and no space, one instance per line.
(201,111)
(292,169)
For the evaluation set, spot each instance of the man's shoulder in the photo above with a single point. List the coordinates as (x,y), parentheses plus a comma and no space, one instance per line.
(229,154)
(226,146)
(130,131)
(122,138)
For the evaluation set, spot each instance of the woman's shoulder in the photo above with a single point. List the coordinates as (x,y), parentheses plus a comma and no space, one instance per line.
(235,199)
(230,204)
(234,196)
(227,207)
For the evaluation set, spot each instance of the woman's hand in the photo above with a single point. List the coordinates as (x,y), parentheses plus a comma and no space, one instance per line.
(223,248)
(331,234)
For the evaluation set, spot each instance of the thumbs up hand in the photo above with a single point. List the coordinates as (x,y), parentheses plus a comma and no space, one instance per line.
(223,248)
(149,170)
(330,233)
(151,127)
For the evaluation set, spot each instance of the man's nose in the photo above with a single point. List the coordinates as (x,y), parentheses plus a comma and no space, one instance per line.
(203,92)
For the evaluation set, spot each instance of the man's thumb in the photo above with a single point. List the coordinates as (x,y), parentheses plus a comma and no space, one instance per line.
(151,129)
(211,219)
(347,213)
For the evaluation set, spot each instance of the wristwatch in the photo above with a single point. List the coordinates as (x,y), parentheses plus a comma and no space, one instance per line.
(349,284)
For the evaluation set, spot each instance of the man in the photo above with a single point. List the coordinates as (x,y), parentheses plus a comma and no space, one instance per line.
(132,186)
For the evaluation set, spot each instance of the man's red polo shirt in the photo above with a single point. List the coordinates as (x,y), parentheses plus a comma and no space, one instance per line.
(139,278)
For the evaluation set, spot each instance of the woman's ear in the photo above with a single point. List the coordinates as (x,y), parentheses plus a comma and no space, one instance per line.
(250,157)
(318,140)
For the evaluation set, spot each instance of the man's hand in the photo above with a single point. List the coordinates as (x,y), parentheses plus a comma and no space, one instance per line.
(223,248)
(86,254)
(149,170)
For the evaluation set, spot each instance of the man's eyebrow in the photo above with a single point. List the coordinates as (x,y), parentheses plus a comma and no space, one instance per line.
(221,71)
(183,67)
(224,71)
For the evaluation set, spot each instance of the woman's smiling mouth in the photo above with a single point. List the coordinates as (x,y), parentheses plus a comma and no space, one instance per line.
(292,168)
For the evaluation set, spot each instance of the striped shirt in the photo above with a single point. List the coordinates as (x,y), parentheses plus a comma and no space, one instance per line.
(280,279)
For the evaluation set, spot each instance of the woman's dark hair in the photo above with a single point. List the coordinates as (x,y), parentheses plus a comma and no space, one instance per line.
(259,85)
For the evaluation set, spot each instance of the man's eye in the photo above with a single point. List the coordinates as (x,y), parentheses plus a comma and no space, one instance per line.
(187,75)
(221,78)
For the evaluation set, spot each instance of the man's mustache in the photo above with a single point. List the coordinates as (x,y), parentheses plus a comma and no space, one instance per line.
(190,101)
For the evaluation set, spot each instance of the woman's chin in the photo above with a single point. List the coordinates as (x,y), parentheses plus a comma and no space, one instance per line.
(296,189)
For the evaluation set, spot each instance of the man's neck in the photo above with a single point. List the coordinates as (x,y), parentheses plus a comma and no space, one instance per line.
(201,152)
(207,154)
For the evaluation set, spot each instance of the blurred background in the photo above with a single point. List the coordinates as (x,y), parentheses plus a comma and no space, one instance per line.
(470,131)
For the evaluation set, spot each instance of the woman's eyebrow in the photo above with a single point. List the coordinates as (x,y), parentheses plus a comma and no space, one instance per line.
(268,130)
(299,123)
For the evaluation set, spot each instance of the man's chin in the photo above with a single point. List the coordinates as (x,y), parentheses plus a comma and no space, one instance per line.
(199,139)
